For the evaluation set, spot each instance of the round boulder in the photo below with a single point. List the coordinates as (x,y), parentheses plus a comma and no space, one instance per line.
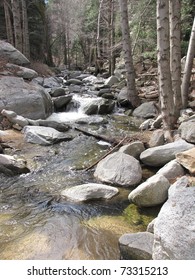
(119,169)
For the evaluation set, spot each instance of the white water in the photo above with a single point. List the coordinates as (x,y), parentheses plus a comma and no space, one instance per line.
(74,115)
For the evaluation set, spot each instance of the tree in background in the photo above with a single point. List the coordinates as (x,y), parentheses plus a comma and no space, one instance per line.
(131,88)
(188,67)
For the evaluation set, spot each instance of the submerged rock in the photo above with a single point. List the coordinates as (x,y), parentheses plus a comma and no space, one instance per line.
(90,191)
(44,135)
(136,246)
(120,169)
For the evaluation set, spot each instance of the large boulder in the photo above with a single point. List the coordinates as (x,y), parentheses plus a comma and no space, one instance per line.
(146,110)
(174,234)
(12,55)
(159,156)
(187,130)
(89,191)
(172,170)
(22,72)
(123,98)
(136,246)
(152,192)
(187,160)
(44,135)
(27,99)
(119,169)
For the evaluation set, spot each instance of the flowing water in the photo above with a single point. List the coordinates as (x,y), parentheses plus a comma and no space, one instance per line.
(37,223)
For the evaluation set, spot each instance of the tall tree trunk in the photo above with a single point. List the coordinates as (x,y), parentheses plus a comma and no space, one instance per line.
(133,96)
(165,83)
(98,30)
(25,33)
(111,37)
(17,24)
(188,67)
(175,52)
(9,31)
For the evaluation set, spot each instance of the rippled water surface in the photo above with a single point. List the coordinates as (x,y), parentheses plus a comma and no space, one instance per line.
(37,223)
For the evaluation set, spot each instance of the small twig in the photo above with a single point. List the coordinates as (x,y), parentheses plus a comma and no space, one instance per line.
(109,152)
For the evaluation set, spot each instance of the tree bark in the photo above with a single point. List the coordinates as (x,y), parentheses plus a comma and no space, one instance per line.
(25,32)
(17,24)
(98,30)
(7,10)
(133,96)
(175,52)
(188,67)
(164,73)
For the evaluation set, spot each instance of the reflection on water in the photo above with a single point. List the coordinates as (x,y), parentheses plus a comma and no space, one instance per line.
(36,223)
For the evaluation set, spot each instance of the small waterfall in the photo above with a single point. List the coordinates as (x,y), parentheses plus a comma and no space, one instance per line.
(77,111)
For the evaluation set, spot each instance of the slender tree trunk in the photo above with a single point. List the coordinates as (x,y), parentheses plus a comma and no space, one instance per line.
(9,31)
(17,24)
(26,43)
(98,29)
(133,96)
(188,67)
(165,83)
(111,37)
(175,52)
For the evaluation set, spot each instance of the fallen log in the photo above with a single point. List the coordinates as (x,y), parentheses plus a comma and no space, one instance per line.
(112,141)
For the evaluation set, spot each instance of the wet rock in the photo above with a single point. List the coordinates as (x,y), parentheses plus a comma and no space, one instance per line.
(12,54)
(136,246)
(123,98)
(90,191)
(120,169)
(51,82)
(61,101)
(133,149)
(90,79)
(152,192)
(44,135)
(58,92)
(172,170)
(159,156)
(99,106)
(174,234)
(11,165)
(27,99)
(187,160)
(74,82)
(146,110)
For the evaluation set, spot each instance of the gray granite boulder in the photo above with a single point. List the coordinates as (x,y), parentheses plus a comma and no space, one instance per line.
(172,170)
(89,191)
(146,110)
(136,246)
(159,156)
(23,72)
(12,55)
(187,130)
(44,135)
(152,192)
(119,169)
(29,100)
(174,229)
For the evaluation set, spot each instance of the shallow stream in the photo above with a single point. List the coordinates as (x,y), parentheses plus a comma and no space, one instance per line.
(37,223)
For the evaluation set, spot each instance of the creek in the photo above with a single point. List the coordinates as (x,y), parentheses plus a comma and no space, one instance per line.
(37,223)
